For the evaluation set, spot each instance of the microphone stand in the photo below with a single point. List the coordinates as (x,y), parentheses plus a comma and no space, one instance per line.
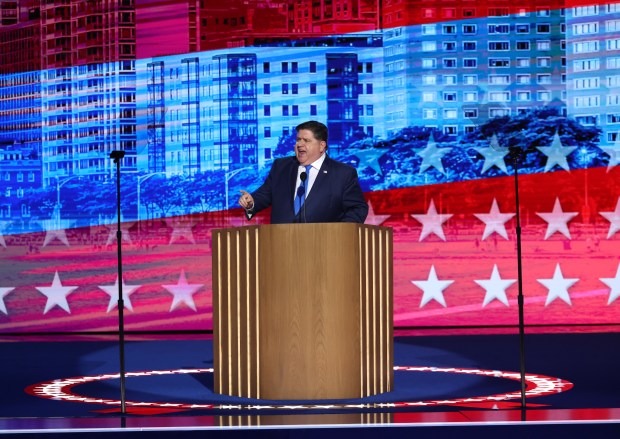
(117,156)
(516,154)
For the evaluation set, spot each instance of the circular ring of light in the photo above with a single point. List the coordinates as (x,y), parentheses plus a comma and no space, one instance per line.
(536,385)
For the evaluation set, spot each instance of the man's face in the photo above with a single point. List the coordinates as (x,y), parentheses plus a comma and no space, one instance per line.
(307,148)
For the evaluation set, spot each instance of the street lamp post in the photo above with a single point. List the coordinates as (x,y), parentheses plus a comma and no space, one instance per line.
(227,177)
(140,180)
(58,186)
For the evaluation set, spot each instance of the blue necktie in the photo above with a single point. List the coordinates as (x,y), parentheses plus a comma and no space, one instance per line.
(300,195)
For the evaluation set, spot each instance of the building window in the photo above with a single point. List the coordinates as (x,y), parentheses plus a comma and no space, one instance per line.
(450,130)
(499,79)
(267,132)
(470,29)
(428,96)
(522,28)
(449,63)
(284,110)
(469,45)
(499,112)
(470,79)
(429,113)
(523,63)
(543,61)
(429,79)
(545,96)
(313,110)
(470,96)
(543,78)
(499,46)
(449,46)
(449,79)
(267,110)
(429,29)
(429,63)
(284,67)
(470,63)
(284,89)
(523,45)
(450,113)
(449,96)
(429,46)
(312,67)
(470,113)
(543,28)
(266,67)
(312,88)
(449,29)
(266,89)
(295,89)
(295,110)
(523,95)
(499,28)
(524,78)
(499,62)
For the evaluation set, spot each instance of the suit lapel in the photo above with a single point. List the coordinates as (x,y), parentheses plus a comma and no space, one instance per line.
(292,180)
(320,180)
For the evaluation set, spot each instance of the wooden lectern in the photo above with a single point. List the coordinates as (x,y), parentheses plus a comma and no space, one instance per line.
(303,311)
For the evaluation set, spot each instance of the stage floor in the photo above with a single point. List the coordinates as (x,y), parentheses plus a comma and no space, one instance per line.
(60,384)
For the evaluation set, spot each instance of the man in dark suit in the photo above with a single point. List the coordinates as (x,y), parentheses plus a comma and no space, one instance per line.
(310,187)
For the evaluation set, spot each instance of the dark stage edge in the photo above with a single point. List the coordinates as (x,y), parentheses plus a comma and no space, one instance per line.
(479,424)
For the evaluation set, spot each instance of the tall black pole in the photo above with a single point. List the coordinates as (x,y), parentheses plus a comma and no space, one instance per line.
(516,154)
(117,156)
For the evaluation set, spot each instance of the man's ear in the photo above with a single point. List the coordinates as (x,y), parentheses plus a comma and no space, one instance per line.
(323,146)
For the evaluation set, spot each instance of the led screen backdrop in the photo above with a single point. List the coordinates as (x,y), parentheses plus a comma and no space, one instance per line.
(424,98)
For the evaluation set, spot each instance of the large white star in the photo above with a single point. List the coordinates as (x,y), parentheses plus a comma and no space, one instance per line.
(614,155)
(112,291)
(614,219)
(557,220)
(495,287)
(558,286)
(370,158)
(181,228)
(493,156)
(374,219)
(614,284)
(183,292)
(556,153)
(56,295)
(55,227)
(3,225)
(433,288)
(432,221)
(431,156)
(494,221)
(3,294)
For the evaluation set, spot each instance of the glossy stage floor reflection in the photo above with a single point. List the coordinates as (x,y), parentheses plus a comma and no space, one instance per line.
(71,384)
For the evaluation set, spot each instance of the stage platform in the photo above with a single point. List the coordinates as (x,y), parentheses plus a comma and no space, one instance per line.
(444,385)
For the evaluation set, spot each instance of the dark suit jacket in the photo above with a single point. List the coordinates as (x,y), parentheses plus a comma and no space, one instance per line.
(336,195)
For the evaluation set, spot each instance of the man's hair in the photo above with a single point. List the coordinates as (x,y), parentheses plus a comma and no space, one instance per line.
(318,129)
